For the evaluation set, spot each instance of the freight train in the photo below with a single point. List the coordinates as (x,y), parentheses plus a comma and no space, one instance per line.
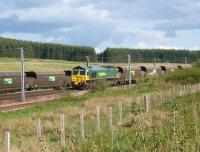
(11,81)
(79,77)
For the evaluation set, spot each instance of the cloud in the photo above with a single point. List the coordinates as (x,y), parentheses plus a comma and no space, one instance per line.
(5,4)
(102,23)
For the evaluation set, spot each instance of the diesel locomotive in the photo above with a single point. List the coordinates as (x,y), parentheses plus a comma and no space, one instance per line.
(84,76)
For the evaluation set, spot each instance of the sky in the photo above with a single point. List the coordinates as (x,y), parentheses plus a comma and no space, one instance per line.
(104,23)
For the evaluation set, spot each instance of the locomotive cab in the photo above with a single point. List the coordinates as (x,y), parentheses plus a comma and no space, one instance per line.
(80,75)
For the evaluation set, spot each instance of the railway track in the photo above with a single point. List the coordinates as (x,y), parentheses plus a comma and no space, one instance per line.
(11,101)
(36,97)
(17,95)
(16,106)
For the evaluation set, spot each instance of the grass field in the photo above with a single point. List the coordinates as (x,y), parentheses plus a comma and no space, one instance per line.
(13,64)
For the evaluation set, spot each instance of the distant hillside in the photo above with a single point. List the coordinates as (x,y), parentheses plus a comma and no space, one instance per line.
(45,50)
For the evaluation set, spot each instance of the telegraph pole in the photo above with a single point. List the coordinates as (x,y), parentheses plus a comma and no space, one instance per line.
(87,59)
(155,61)
(129,69)
(22,75)
(185,60)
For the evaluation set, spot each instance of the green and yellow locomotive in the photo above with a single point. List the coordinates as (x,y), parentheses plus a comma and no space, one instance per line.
(83,76)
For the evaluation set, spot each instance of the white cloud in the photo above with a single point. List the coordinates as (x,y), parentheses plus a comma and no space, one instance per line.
(102,23)
(62,12)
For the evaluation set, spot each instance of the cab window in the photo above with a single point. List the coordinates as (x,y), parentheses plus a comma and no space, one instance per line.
(93,75)
(82,72)
(75,72)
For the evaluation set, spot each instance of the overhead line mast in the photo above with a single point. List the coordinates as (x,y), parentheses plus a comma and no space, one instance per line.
(22,75)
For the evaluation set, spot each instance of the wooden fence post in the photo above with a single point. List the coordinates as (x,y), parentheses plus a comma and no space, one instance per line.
(184,90)
(195,88)
(38,128)
(120,113)
(187,89)
(82,125)
(192,89)
(146,103)
(161,98)
(62,129)
(40,140)
(138,99)
(171,93)
(7,142)
(98,125)
(178,91)
(110,118)
(129,109)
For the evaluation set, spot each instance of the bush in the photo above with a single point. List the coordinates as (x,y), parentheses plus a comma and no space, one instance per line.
(196,65)
(99,85)
(136,109)
(185,76)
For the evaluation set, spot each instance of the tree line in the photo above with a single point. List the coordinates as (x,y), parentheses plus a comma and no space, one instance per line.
(149,55)
(8,48)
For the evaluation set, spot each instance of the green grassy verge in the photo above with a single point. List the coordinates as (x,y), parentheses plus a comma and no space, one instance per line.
(13,64)
(185,76)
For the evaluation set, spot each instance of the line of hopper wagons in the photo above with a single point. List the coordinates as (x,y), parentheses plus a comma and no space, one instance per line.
(79,77)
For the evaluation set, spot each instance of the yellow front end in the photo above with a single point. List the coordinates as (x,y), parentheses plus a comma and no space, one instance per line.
(76,79)
(80,77)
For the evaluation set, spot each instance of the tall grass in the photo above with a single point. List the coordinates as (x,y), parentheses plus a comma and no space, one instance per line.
(185,76)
